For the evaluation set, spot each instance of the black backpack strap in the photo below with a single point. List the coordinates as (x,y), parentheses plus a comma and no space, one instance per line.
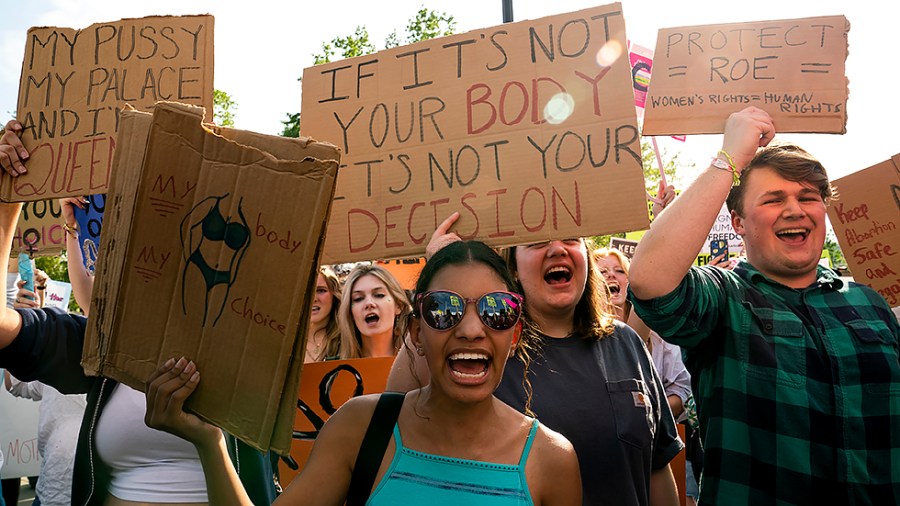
(374,444)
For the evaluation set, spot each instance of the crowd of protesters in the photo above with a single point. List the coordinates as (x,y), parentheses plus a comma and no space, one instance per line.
(549,373)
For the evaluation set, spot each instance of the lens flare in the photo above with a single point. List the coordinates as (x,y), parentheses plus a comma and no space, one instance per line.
(609,53)
(559,108)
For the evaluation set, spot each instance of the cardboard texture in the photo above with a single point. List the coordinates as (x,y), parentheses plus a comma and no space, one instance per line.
(40,229)
(74,84)
(517,127)
(866,220)
(324,388)
(209,251)
(793,69)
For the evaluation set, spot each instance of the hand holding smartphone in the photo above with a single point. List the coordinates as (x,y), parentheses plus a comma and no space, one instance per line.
(718,247)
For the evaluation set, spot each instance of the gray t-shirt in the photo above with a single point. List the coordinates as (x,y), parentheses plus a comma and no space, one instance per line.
(11,289)
(606,398)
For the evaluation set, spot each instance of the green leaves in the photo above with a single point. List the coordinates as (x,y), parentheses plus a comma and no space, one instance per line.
(426,24)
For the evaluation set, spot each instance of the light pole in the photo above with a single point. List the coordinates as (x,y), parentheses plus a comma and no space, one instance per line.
(507,11)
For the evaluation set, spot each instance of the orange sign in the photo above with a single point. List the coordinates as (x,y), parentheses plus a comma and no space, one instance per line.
(324,387)
(406,270)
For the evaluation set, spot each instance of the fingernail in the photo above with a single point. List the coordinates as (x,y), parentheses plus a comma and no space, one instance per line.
(169,363)
(23,154)
(195,377)
(191,367)
(180,364)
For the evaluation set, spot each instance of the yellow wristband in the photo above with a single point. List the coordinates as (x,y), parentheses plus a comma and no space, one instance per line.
(735,176)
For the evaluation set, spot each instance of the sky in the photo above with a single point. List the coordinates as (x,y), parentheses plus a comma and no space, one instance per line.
(262,46)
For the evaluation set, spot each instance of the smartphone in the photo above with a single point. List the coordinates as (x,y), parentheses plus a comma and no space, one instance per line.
(717,247)
(26,271)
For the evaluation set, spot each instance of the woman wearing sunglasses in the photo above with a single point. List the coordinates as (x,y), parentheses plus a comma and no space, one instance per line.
(453,442)
(590,379)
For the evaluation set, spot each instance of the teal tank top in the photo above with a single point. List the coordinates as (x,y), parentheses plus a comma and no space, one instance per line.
(422,478)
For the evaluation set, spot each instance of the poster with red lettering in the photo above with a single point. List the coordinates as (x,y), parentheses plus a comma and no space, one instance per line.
(74,84)
(866,220)
(527,129)
(794,69)
(39,230)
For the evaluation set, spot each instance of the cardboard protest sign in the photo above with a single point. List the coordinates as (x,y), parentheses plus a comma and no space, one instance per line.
(866,220)
(90,223)
(325,387)
(18,435)
(214,259)
(75,83)
(793,69)
(40,229)
(527,129)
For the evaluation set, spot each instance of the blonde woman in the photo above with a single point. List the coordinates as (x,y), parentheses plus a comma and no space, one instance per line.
(373,314)
(323,338)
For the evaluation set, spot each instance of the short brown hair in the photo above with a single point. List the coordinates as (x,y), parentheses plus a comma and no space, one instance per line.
(790,162)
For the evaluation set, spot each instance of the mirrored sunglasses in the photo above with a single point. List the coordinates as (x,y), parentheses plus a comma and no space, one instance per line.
(443,309)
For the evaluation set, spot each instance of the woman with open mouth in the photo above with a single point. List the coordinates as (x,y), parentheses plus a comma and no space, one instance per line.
(590,378)
(450,442)
(373,313)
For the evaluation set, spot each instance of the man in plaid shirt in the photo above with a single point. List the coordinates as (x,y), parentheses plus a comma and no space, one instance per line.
(796,372)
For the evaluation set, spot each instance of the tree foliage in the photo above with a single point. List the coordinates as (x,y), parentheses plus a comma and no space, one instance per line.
(834,251)
(356,44)
(224,109)
(426,24)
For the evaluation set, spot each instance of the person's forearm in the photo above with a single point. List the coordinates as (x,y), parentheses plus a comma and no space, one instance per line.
(663,491)
(223,485)
(669,248)
(10,321)
(675,405)
(82,282)
(667,251)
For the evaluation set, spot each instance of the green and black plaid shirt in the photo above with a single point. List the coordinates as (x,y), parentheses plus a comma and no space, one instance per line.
(798,391)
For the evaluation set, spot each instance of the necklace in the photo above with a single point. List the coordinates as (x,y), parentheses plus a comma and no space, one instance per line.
(317,346)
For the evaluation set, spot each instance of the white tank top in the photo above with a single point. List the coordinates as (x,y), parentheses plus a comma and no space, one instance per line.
(147,465)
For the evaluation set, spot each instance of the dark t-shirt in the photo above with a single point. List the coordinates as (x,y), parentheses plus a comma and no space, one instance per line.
(607,399)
